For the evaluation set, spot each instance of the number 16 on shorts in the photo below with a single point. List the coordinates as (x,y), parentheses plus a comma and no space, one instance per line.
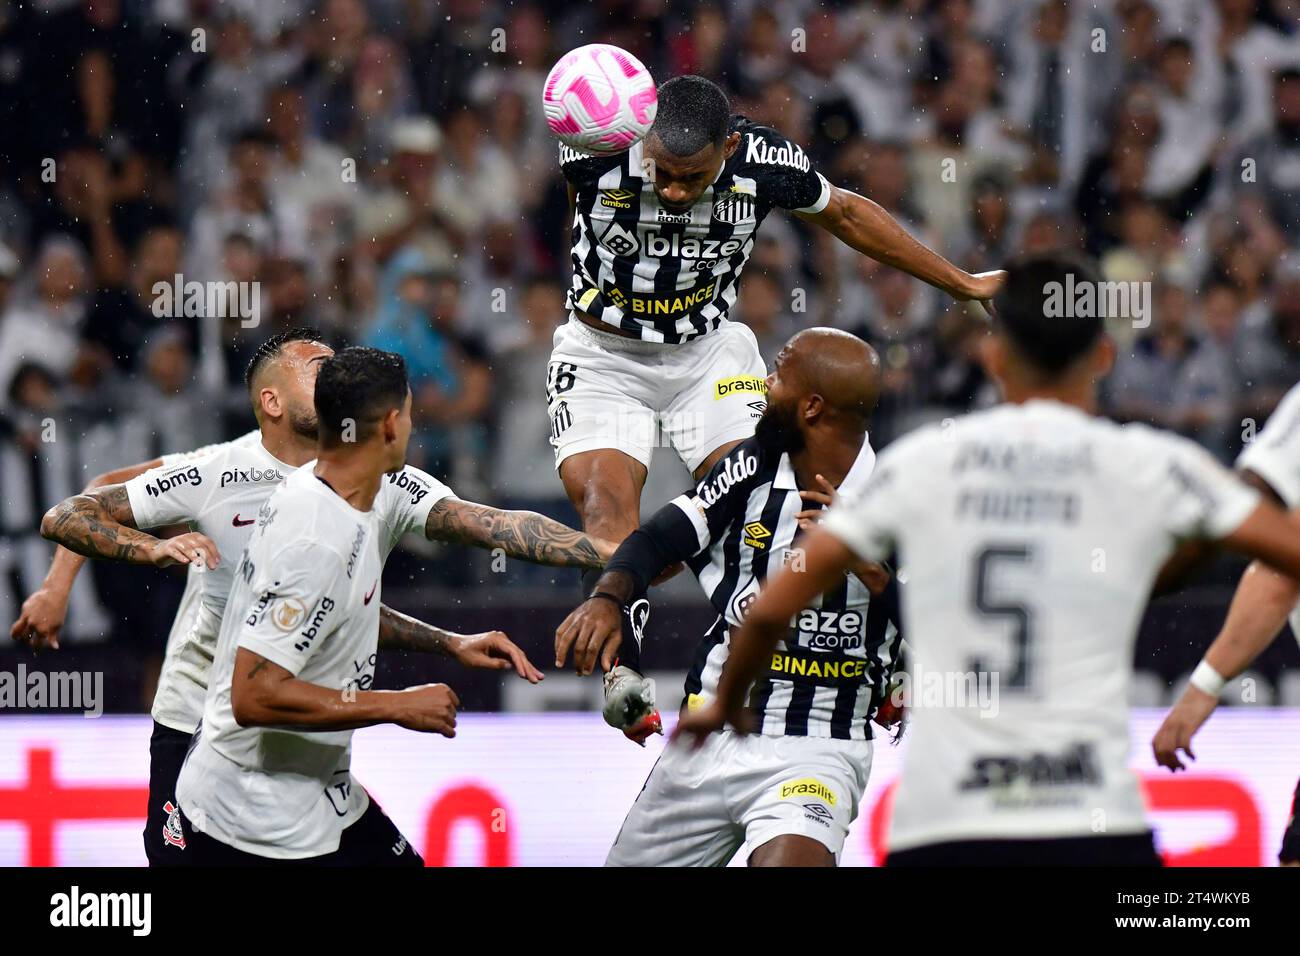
(559,379)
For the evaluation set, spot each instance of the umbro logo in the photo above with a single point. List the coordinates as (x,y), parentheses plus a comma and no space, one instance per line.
(756,535)
(617,198)
(818,813)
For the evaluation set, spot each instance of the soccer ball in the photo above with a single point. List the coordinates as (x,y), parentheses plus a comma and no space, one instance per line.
(599,99)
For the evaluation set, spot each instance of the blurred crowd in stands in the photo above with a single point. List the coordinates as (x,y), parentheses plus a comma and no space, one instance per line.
(381,169)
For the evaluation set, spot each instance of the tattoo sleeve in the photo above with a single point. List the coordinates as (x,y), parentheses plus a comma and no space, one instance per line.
(99,525)
(521,534)
(398,632)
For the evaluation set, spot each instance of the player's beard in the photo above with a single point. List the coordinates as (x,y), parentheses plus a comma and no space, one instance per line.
(778,429)
(303,421)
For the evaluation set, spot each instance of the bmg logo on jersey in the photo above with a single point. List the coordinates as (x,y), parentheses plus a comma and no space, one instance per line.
(409,483)
(312,630)
(165,483)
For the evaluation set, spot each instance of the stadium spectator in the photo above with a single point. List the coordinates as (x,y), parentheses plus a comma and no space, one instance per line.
(383,170)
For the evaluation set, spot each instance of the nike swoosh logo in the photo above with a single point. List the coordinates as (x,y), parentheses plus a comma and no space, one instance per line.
(242,524)
(372,591)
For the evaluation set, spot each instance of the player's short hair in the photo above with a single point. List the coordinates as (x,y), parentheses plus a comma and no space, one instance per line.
(359,385)
(273,346)
(1051,343)
(693,113)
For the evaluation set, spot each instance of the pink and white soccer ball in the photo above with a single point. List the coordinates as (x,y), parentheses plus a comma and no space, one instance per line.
(599,99)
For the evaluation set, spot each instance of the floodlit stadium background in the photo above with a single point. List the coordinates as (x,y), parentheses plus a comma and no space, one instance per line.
(383,166)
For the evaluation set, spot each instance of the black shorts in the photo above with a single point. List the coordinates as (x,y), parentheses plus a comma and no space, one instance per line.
(373,840)
(164,843)
(1137,849)
(1290,852)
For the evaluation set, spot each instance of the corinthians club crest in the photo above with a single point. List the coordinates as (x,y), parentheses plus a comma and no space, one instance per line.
(172,832)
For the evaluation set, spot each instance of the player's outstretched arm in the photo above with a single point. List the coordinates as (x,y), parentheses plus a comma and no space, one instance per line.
(594,628)
(865,226)
(43,613)
(1258,611)
(102,525)
(826,558)
(491,650)
(264,694)
(521,534)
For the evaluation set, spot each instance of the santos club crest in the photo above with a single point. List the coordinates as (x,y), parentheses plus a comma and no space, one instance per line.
(733,208)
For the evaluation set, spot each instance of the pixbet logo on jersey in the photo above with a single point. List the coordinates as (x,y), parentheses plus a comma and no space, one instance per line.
(239,476)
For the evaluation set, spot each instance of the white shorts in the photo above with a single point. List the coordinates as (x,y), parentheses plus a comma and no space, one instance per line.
(605,391)
(698,808)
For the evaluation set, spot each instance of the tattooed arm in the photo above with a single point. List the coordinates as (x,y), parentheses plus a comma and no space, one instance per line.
(398,632)
(491,650)
(45,609)
(101,525)
(521,534)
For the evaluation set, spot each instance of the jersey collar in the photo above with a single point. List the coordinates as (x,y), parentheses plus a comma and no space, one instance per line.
(853,481)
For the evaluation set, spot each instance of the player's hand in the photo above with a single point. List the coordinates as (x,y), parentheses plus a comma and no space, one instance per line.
(981,287)
(593,629)
(188,548)
(826,497)
(696,725)
(429,709)
(41,619)
(1184,720)
(493,651)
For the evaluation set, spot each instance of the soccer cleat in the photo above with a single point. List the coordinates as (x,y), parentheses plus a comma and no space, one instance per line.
(630,704)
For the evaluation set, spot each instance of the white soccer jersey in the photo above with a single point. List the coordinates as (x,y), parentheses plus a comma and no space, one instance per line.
(169,705)
(1028,539)
(1274,455)
(219,495)
(306,598)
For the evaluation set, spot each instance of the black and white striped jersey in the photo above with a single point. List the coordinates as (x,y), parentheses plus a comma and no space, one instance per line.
(669,276)
(829,674)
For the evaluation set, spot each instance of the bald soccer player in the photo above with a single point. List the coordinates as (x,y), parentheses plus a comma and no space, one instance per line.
(789,794)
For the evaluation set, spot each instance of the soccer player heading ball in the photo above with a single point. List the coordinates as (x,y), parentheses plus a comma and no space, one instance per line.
(661,234)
